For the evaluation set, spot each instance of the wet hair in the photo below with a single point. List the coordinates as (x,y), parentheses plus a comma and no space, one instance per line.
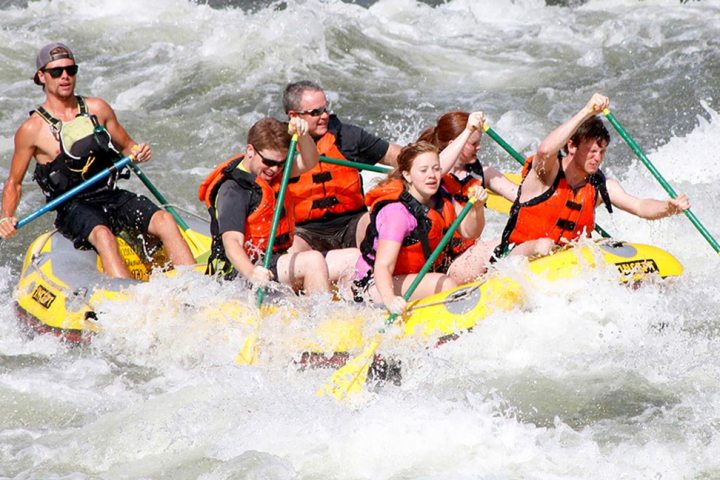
(407,157)
(269,134)
(292,96)
(448,127)
(591,129)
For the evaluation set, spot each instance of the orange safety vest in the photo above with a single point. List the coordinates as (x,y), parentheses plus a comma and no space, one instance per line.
(327,189)
(558,213)
(419,245)
(258,224)
(459,190)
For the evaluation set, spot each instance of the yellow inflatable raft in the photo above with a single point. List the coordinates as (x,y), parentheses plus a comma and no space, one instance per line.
(60,288)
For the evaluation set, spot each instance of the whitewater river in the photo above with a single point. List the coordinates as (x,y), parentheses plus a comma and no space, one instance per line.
(589,379)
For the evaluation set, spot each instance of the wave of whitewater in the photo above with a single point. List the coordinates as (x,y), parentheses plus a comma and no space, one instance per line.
(589,379)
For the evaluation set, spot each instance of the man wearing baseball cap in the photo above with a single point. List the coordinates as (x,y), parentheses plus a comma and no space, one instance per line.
(71,139)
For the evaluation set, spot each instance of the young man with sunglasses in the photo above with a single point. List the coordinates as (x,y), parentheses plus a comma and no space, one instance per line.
(71,139)
(330,211)
(241,197)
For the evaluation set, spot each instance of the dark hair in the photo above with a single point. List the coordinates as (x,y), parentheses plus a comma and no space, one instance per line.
(269,134)
(292,96)
(407,157)
(591,129)
(447,128)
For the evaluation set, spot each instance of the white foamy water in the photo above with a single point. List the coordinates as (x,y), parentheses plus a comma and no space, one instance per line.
(590,379)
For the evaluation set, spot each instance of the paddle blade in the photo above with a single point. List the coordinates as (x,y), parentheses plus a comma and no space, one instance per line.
(199,244)
(351,378)
(248,354)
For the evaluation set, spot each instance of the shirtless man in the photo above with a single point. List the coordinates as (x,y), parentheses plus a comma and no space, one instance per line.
(71,139)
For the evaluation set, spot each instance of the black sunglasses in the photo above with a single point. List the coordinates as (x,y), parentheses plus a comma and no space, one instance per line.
(56,72)
(269,162)
(315,112)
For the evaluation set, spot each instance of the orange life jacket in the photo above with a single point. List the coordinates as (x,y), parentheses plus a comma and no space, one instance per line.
(558,213)
(258,223)
(419,245)
(327,189)
(459,190)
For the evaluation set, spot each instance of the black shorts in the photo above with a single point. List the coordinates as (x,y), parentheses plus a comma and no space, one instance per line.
(118,210)
(332,233)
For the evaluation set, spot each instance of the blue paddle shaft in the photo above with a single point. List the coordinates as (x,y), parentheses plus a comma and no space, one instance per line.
(51,205)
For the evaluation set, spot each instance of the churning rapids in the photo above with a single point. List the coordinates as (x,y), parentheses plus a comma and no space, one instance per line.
(590,379)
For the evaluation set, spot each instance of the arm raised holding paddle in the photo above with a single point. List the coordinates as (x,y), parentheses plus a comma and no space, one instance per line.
(564,185)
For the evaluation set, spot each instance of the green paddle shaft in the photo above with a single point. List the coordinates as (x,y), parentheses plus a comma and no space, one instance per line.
(159,196)
(499,140)
(278,211)
(506,146)
(358,165)
(670,191)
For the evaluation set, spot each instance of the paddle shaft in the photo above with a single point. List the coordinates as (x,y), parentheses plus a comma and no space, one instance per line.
(670,191)
(514,153)
(159,196)
(278,211)
(358,165)
(52,204)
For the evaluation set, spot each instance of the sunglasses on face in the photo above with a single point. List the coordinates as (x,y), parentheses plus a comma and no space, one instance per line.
(56,72)
(315,112)
(268,162)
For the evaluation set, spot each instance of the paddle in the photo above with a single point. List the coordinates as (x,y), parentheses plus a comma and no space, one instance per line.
(199,244)
(248,353)
(352,376)
(51,205)
(646,161)
(499,140)
(358,165)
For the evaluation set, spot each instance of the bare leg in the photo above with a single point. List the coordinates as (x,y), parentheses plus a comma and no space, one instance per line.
(299,245)
(534,248)
(163,226)
(103,239)
(472,263)
(306,270)
(341,265)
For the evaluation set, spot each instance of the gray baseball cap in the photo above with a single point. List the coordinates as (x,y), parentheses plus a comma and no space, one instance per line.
(50,53)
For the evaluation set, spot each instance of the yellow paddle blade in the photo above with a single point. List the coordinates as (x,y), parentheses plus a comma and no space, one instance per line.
(199,244)
(248,354)
(499,203)
(351,378)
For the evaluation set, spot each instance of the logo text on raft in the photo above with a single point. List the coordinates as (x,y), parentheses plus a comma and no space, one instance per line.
(43,296)
(637,266)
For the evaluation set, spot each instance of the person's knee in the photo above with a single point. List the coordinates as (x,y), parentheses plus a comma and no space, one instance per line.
(313,262)
(299,245)
(102,238)
(446,282)
(162,223)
